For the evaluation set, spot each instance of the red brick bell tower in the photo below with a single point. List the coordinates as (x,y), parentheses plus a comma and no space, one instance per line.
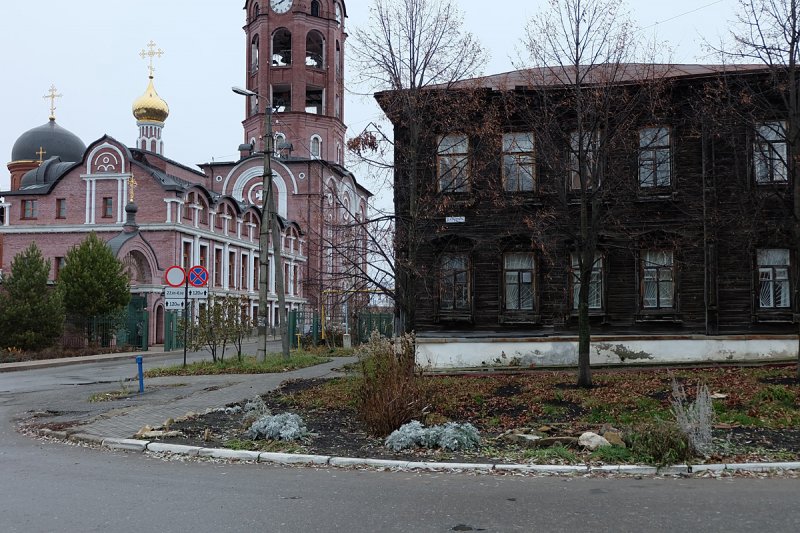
(295,61)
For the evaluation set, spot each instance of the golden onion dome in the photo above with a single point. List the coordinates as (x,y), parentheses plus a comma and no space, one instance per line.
(150,106)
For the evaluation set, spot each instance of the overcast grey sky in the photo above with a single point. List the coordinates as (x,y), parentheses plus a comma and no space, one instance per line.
(89,50)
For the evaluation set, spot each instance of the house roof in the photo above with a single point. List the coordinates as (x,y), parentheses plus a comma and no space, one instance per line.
(560,75)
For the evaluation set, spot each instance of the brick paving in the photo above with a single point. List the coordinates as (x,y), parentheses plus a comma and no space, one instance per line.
(195,394)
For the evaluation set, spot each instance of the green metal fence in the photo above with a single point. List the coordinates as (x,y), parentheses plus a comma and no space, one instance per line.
(383,323)
(303,325)
(173,336)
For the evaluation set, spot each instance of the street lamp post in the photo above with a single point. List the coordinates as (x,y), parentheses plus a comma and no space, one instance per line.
(269,222)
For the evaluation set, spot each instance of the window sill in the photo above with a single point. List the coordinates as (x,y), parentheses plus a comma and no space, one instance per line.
(669,316)
(775,184)
(774,316)
(450,316)
(592,312)
(508,319)
(656,195)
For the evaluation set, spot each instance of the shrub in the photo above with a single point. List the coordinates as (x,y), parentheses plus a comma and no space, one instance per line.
(391,390)
(451,436)
(775,394)
(695,418)
(256,406)
(553,454)
(611,454)
(285,426)
(659,443)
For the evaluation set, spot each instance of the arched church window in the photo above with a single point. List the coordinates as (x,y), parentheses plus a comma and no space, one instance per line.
(256,10)
(338,61)
(191,198)
(281,48)
(338,12)
(314,8)
(316,147)
(280,147)
(254,54)
(315,45)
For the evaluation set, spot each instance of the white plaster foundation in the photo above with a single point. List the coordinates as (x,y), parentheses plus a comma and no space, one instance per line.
(526,352)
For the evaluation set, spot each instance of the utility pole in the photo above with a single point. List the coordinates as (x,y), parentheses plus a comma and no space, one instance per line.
(269,224)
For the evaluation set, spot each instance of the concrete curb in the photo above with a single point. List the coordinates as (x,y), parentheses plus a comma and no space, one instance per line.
(66,361)
(145,446)
(126,444)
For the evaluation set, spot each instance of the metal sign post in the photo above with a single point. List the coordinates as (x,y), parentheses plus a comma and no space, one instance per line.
(177,295)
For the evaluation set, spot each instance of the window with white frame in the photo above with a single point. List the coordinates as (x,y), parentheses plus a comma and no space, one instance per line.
(452,162)
(582,159)
(655,158)
(280,149)
(657,279)
(316,147)
(770,154)
(595,282)
(454,290)
(518,280)
(518,162)
(773,278)
(254,53)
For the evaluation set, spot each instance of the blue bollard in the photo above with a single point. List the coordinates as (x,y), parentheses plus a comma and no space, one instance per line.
(141,374)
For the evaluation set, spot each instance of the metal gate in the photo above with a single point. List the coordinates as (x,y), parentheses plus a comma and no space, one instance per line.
(173,339)
(383,323)
(136,327)
(303,324)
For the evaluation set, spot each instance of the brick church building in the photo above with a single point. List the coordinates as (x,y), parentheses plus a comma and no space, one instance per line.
(155,212)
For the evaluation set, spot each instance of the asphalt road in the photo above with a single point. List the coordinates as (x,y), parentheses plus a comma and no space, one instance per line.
(50,486)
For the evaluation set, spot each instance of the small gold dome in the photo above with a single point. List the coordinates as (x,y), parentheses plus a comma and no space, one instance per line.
(150,106)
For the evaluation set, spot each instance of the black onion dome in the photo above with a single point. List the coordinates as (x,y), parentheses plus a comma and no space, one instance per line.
(55,140)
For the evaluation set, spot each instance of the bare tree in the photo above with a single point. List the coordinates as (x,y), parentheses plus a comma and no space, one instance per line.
(767,32)
(590,94)
(408,47)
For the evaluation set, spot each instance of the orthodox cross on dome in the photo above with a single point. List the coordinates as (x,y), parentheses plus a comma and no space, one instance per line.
(150,53)
(41,153)
(132,188)
(52,94)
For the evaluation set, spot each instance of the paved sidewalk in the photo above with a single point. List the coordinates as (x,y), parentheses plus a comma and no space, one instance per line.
(195,394)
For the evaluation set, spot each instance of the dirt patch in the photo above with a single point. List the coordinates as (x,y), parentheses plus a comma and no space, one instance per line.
(339,432)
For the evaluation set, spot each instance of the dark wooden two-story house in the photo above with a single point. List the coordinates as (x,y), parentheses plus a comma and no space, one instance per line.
(685,186)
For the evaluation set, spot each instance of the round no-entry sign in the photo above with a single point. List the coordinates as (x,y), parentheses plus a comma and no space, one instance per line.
(198,276)
(175,276)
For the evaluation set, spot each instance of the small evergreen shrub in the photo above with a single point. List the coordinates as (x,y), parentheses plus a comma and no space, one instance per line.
(256,406)
(253,410)
(284,426)
(659,443)
(451,436)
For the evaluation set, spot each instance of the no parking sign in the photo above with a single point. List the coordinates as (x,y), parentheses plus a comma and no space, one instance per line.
(198,276)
